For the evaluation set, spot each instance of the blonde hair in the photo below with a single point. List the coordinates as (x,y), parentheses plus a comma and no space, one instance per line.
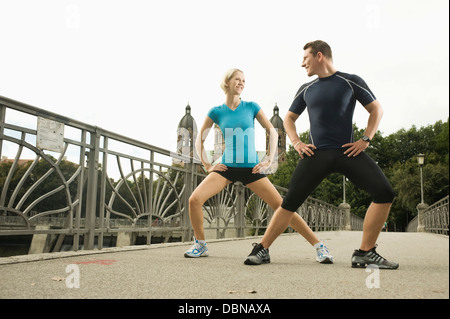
(226,78)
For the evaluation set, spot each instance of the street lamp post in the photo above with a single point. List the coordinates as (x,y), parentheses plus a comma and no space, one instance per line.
(343,187)
(420,161)
(421,207)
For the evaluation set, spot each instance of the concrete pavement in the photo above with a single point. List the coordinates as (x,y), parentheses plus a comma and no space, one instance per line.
(161,271)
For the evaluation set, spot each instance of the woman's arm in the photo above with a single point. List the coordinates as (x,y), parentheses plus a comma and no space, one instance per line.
(199,146)
(273,139)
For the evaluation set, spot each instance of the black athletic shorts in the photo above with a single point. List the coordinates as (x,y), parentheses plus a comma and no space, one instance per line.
(360,170)
(240,174)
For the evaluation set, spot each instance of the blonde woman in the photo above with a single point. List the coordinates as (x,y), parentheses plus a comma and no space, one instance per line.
(239,162)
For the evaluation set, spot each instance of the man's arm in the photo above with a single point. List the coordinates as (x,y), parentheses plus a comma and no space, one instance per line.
(291,130)
(375,114)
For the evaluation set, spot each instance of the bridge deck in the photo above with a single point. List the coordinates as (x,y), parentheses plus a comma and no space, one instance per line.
(161,271)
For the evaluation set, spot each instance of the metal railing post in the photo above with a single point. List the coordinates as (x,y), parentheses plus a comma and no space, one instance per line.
(185,220)
(421,208)
(346,209)
(2,122)
(239,219)
(91,200)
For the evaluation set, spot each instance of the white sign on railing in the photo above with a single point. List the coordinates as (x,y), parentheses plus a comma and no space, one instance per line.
(50,135)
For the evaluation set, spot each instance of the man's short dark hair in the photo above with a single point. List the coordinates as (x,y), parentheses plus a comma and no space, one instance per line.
(319,46)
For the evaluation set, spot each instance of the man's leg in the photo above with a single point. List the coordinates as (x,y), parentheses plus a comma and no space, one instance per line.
(373,223)
(268,193)
(367,175)
(375,218)
(308,174)
(278,224)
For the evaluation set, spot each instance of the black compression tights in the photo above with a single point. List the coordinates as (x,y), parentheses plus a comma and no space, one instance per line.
(360,170)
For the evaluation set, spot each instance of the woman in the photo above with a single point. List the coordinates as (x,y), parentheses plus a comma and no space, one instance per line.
(239,163)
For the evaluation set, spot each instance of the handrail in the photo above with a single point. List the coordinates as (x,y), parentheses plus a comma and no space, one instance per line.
(435,218)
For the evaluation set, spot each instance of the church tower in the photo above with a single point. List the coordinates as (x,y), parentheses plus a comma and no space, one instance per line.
(219,144)
(277,123)
(187,134)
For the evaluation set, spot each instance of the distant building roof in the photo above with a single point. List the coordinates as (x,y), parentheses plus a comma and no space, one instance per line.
(21,162)
(188,121)
(276,120)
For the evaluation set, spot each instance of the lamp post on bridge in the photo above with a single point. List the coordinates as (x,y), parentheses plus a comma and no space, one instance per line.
(422,206)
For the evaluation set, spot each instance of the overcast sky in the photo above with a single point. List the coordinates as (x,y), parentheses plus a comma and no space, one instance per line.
(131,67)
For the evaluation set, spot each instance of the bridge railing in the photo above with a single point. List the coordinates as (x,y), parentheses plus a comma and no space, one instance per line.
(434,219)
(97,183)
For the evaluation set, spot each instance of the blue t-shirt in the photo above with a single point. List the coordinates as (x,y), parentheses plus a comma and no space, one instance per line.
(331,103)
(238,129)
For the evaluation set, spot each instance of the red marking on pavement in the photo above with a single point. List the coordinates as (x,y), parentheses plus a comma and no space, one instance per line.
(98,262)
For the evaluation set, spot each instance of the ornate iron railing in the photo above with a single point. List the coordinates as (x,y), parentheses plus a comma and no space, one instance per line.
(435,218)
(100,183)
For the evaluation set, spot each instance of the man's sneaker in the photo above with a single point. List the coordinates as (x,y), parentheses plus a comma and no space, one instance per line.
(371,257)
(323,255)
(258,256)
(197,250)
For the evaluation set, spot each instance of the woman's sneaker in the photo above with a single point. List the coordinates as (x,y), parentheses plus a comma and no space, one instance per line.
(323,255)
(258,256)
(197,250)
(371,257)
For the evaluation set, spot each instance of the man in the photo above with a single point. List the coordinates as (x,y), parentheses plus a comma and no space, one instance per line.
(330,100)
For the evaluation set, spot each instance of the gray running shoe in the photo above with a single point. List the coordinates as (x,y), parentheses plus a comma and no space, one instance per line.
(258,256)
(371,257)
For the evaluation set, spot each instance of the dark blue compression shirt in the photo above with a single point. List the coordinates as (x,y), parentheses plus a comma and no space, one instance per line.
(331,103)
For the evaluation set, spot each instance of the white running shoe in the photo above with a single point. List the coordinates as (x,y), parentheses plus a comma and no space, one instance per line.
(197,250)
(323,255)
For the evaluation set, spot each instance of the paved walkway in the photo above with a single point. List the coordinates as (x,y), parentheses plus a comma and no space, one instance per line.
(161,271)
